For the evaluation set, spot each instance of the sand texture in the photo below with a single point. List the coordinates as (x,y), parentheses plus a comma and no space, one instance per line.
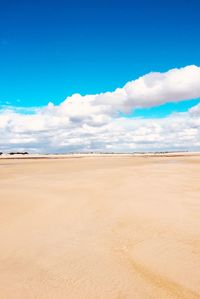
(106,227)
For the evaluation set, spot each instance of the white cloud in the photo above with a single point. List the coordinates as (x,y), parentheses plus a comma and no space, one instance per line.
(150,90)
(92,122)
(159,88)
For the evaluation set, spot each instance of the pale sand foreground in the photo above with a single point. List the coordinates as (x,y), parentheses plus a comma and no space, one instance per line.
(100,227)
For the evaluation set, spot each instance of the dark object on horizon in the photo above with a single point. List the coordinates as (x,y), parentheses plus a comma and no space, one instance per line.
(1,153)
(18,153)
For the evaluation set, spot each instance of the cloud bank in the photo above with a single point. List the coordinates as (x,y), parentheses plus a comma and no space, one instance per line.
(94,122)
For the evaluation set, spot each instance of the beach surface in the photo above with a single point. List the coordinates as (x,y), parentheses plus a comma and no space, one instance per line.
(100,227)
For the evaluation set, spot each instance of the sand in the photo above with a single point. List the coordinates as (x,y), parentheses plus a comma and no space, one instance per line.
(109,227)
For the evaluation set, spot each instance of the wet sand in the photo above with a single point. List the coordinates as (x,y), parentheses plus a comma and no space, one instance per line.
(100,227)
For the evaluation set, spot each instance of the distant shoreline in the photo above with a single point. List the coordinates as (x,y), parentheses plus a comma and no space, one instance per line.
(83,155)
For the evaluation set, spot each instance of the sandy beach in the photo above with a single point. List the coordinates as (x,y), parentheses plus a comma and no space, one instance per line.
(100,227)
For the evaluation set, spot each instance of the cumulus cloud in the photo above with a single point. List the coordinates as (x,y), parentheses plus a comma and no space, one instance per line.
(158,88)
(93,122)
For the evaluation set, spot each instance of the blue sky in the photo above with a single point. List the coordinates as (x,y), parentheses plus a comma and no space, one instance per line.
(52,49)
(57,51)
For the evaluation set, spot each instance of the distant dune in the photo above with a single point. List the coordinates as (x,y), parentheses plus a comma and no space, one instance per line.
(100,227)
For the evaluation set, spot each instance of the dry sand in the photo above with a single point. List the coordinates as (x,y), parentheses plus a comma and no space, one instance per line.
(111,227)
